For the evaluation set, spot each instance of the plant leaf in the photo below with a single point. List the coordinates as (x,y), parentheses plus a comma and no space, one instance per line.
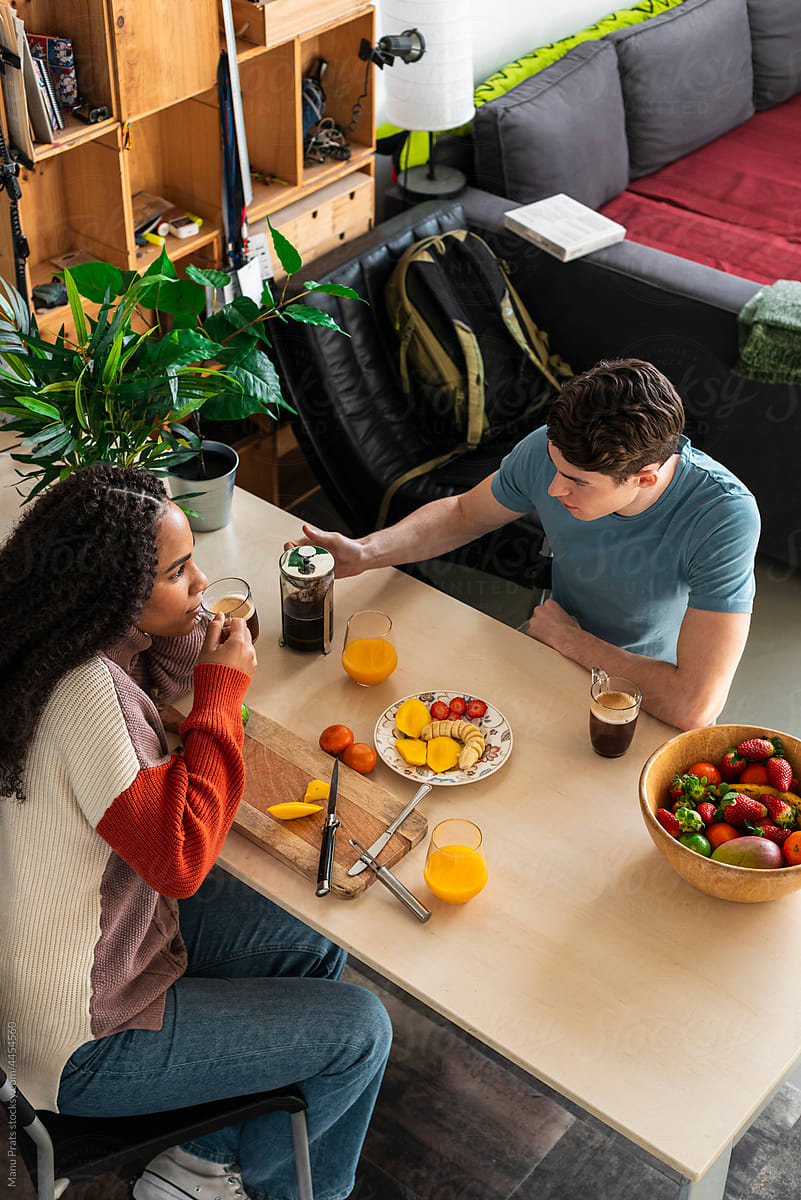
(76,308)
(288,256)
(39,406)
(308,315)
(259,390)
(335,289)
(207,276)
(97,281)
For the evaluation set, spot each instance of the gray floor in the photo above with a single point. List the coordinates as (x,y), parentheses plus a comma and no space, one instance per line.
(454,1121)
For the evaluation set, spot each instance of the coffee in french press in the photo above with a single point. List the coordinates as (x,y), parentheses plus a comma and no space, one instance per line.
(307,598)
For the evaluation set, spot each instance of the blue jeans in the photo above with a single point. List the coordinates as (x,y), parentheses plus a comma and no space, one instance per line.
(260,1006)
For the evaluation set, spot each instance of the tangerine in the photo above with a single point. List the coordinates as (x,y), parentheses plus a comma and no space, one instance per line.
(719,833)
(360,757)
(336,738)
(754,773)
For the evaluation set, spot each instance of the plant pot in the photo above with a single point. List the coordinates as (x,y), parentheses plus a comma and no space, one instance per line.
(216,488)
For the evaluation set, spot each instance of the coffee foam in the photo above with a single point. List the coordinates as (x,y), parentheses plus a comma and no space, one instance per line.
(615,708)
(237,605)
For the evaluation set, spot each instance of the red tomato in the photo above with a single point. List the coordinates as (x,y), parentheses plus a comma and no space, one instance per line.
(476,709)
(439,711)
(700,769)
(361,757)
(791,848)
(754,773)
(458,705)
(336,738)
(719,833)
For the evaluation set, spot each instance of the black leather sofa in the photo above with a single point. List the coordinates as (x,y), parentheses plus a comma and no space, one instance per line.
(628,300)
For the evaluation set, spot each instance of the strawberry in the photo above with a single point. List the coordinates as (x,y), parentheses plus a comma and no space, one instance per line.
(459,704)
(780,773)
(732,765)
(737,809)
(668,821)
(774,832)
(707,812)
(439,710)
(794,786)
(688,788)
(476,709)
(689,820)
(756,749)
(781,813)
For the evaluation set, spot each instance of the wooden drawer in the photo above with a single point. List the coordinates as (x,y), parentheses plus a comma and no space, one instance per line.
(340,211)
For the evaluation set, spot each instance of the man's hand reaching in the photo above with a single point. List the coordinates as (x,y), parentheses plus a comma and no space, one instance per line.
(349,555)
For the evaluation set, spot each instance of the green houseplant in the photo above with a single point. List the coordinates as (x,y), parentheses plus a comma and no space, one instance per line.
(124,390)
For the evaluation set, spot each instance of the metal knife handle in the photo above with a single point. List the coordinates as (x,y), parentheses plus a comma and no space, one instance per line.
(423,790)
(326,858)
(403,894)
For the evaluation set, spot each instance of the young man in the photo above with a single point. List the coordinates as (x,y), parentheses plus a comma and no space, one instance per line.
(653,542)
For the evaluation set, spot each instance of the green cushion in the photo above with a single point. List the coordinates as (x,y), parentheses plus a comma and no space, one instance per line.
(415,151)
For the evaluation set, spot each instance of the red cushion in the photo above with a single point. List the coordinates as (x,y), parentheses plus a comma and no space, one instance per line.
(751,176)
(751,253)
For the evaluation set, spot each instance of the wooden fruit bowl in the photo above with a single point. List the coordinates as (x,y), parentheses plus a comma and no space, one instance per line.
(744,884)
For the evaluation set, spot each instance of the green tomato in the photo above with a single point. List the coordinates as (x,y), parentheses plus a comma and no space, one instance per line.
(696,842)
(245,714)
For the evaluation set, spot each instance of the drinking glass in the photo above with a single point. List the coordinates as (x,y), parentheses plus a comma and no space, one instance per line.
(614,708)
(368,653)
(455,869)
(232,598)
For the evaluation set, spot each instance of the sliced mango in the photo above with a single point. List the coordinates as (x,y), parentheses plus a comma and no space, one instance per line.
(318,789)
(442,753)
(411,717)
(412,750)
(292,810)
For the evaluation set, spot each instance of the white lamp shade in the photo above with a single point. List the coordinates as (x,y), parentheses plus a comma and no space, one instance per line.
(436,92)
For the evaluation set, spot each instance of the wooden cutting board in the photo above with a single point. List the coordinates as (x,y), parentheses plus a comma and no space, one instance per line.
(278,766)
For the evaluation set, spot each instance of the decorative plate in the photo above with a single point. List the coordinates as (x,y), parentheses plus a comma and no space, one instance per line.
(494,726)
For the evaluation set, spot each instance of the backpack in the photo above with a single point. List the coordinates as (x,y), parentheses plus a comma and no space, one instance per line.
(471,358)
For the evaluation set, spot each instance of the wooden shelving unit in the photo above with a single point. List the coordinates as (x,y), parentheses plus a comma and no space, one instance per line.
(153,63)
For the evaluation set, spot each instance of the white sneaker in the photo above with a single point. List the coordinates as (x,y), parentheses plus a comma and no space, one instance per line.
(178,1175)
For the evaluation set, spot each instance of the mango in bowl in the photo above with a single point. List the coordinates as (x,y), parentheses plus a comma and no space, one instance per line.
(745,885)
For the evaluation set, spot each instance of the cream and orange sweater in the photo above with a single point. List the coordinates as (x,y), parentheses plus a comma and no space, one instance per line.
(114,829)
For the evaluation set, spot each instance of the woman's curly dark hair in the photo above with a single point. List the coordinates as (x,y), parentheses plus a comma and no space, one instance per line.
(74,575)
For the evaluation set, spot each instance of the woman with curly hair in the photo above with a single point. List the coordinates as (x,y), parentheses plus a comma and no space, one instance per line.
(135,978)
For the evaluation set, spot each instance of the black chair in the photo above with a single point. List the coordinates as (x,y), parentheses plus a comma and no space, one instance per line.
(59,1150)
(353,423)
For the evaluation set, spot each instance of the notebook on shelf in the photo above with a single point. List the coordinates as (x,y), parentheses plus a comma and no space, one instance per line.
(564,227)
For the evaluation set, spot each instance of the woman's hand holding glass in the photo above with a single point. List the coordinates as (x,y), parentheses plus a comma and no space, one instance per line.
(235,651)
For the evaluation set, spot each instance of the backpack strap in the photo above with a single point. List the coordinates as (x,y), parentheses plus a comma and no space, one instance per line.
(398,483)
(534,341)
(474,374)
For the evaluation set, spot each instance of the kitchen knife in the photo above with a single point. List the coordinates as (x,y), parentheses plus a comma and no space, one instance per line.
(394,885)
(380,842)
(330,826)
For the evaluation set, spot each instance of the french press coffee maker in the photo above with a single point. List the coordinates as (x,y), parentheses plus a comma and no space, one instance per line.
(307,598)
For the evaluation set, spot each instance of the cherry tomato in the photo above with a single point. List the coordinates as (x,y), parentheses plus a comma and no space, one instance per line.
(701,769)
(719,833)
(439,711)
(458,705)
(476,709)
(361,757)
(791,849)
(336,738)
(696,842)
(754,773)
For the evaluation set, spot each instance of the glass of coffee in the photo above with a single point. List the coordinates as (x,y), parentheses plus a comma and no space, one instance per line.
(614,708)
(232,598)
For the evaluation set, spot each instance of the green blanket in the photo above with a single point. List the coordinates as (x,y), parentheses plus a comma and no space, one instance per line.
(769,333)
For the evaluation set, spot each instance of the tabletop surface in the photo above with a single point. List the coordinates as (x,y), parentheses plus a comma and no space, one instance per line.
(586,960)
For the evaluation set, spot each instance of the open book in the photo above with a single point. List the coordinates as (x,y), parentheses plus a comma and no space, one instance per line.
(564,227)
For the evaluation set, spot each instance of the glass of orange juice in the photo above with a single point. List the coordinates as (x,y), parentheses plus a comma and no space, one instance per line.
(369,654)
(455,869)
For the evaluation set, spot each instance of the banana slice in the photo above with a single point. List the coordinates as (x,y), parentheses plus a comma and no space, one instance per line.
(469,735)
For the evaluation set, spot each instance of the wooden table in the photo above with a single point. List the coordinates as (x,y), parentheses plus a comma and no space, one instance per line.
(669,1015)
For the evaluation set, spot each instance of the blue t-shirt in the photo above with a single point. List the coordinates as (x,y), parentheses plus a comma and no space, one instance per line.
(630,580)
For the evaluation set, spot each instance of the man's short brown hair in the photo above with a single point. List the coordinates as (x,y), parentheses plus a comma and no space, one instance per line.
(617,418)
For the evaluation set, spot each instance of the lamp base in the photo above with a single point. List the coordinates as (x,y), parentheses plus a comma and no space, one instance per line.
(440,184)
